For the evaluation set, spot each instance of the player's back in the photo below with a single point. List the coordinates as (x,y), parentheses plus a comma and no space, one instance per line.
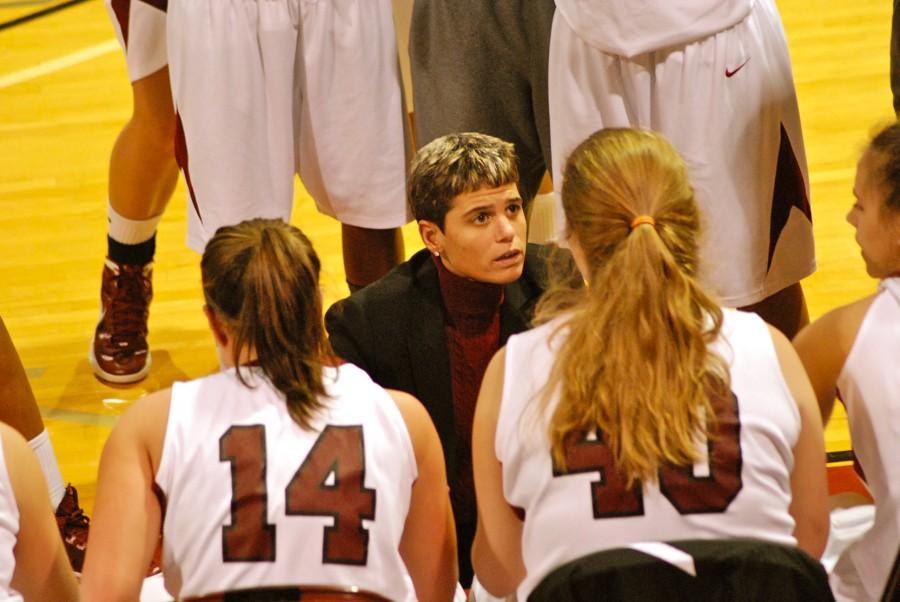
(9,526)
(742,489)
(254,500)
(868,386)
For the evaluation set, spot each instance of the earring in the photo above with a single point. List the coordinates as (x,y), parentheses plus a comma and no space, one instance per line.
(436,253)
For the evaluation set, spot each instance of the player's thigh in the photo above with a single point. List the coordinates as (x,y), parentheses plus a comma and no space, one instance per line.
(141,30)
(231,70)
(351,140)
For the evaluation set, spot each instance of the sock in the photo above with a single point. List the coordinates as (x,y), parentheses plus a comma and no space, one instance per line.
(131,241)
(43,449)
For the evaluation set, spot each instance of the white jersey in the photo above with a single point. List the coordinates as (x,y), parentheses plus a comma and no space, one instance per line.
(743,490)
(9,528)
(869,383)
(631,27)
(253,500)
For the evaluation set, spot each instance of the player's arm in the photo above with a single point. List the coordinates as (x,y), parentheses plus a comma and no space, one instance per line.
(809,484)
(42,568)
(497,549)
(428,546)
(126,523)
(823,347)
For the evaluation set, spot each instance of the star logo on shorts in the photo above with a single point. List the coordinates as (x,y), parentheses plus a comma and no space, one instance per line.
(730,73)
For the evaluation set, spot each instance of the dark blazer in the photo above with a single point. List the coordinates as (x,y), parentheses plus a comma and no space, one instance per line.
(394,330)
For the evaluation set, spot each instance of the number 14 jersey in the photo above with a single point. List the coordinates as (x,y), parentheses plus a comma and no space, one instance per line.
(253,500)
(742,489)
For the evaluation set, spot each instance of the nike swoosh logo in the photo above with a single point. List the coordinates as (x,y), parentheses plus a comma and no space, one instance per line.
(741,66)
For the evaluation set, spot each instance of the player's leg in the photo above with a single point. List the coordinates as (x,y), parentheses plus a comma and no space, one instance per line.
(231,64)
(785,310)
(482,66)
(19,409)
(791,254)
(746,164)
(351,129)
(369,254)
(142,177)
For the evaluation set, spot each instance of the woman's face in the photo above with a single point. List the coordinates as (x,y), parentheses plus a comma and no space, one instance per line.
(877,230)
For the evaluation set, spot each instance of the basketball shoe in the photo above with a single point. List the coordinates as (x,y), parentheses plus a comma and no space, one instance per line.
(73,525)
(119,352)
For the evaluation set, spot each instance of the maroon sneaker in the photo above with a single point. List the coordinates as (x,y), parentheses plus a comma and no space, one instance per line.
(119,352)
(73,526)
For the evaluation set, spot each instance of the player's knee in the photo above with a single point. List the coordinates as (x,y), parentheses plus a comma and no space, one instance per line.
(156,130)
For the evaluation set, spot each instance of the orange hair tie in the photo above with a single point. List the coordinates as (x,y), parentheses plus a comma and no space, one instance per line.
(641,220)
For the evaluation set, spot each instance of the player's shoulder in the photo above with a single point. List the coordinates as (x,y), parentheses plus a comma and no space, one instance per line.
(146,419)
(8,433)
(838,327)
(13,444)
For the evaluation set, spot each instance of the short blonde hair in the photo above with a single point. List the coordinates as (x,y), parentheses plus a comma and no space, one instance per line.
(455,164)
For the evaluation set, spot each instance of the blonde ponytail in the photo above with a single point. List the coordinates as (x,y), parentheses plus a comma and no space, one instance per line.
(636,361)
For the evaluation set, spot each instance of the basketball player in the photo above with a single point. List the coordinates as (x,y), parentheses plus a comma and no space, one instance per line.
(142,177)
(19,410)
(33,563)
(714,77)
(626,382)
(267,89)
(282,470)
(852,351)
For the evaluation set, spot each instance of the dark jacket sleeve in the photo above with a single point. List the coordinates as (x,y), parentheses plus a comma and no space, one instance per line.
(350,333)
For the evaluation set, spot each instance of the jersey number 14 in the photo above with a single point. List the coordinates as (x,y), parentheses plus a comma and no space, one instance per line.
(329,482)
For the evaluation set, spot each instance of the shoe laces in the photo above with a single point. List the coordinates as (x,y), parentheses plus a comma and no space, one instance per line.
(127,312)
(70,512)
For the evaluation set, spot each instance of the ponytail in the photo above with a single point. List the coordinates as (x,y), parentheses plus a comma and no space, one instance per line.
(636,361)
(261,278)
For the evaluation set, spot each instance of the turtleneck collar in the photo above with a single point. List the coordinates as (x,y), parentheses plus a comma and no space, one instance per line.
(467,298)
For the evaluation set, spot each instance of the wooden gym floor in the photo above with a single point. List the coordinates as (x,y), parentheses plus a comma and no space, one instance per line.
(64,95)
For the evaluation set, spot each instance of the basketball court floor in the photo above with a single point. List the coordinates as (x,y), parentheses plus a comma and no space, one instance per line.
(64,95)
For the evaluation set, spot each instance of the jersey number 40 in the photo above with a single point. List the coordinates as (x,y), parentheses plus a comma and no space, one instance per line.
(329,482)
(688,493)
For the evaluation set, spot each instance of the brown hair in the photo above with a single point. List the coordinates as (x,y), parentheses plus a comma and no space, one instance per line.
(455,164)
(636,360)
(886,144)
(261,279)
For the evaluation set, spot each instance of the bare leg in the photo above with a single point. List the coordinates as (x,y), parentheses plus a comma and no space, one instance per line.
(785,310)
(370,254)
(142,177)
(142,168)
(18,407)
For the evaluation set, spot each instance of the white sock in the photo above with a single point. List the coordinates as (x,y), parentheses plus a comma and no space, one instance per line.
(43,449)
(130,231)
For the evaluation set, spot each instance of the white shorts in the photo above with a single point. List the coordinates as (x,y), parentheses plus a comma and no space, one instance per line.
(267,89)
(728,105)
(141,29)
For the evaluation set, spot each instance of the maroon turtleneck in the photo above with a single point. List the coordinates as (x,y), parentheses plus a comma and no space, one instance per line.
(472,312)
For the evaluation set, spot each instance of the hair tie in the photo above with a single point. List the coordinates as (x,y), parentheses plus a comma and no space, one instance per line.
(641,220)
